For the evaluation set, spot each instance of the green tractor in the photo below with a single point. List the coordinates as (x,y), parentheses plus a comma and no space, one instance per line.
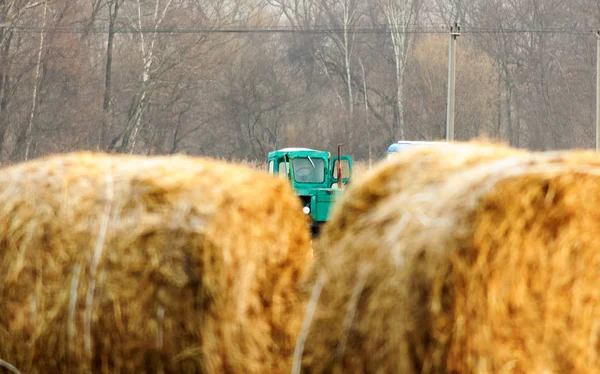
(314,176)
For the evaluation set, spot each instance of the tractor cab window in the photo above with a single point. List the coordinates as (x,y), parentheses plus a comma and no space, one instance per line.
(309,170)
(346,171)
(283,167)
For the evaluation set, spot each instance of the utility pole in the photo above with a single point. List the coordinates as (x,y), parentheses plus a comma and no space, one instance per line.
(454,33)
(598,90)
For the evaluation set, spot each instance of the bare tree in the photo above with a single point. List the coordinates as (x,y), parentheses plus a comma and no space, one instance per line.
(147,45)
(401,16)
(113,12)
(503,47)
(344,17)
(34,96)
(148,59)
(366,102)
(7,17)
(104,75)
(448,11)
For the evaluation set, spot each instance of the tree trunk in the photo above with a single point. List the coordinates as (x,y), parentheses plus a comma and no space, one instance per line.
(5,65)
(399,67)
(30,127)
(399,16)
(347,53)
(508,98)
(148,58)
(517,115)
(400,125)
(113,10)
(498,129)
(366,97)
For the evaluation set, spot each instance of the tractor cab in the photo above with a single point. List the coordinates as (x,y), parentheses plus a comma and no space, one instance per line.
(314,177)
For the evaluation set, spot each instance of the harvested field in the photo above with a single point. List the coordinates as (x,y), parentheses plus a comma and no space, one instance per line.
(148,265)
(473,258)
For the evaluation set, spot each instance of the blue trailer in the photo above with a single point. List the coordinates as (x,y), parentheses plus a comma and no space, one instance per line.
(404,144)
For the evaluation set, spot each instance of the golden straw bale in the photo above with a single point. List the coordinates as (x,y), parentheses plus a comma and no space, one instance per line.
(411,167)
(161,264)
(471,258)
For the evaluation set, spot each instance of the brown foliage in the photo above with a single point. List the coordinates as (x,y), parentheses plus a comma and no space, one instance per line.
(426,85)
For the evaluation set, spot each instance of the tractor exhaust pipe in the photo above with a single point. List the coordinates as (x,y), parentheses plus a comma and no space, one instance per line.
(339,168)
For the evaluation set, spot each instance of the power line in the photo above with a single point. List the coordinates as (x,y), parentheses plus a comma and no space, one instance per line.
(378,29)
(529,31)
(234,30)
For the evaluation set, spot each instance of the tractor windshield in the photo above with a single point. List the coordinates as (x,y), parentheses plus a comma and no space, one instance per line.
(309,169)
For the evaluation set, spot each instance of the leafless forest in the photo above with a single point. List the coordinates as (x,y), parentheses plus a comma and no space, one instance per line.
(235,79)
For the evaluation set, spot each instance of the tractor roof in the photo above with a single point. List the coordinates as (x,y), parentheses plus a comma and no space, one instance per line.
(299,152)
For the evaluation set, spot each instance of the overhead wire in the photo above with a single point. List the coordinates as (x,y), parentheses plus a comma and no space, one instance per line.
(376,29)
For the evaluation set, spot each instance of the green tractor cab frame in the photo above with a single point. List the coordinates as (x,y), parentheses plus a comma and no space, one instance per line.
(314,177)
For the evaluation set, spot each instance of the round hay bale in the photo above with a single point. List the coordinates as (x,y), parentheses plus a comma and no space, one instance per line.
(472,258)
(160,264)
(412,167)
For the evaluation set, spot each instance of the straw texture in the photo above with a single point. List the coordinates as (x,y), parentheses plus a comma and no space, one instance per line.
(471,258)
(149,265)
